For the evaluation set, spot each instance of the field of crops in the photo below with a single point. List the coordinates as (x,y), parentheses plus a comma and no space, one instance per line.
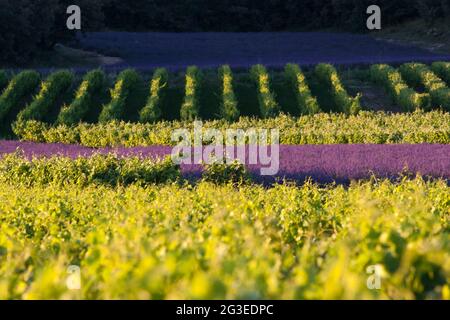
(87,181)
(63,99)
(209,241)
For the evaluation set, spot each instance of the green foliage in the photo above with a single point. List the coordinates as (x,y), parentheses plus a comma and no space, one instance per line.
(267,105)
(86,98)
(152,110)
(394,84)
(126,96)
(229,107)
(295,78)
(30,28)
(234,173)
(442,69)
(98,169)
(323,128)
(20,86)
(203,91)
(3,79)
(246,15)
(328,74)
(190,109)
(420,75)
(51,90)
(223,242)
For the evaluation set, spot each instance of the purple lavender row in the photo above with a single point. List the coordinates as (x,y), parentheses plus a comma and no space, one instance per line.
(322,163)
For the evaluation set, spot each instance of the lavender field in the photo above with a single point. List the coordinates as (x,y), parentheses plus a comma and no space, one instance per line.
(148,50)
(216,151)
(322,163)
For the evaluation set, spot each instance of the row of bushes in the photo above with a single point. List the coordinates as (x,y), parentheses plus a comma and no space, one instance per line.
(152,110)
(110,170)
(128,95)
(229,107)
(401,93)
(98,169)
(267,105)
(51,90)
(307,104)
(328,75)
(86,98)
(17,91)
(442,69)
(125,96)
(419,74)
(322,128)
(190,109)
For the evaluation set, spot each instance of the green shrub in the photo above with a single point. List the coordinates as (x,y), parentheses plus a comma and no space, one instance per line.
(51,90)
(98,169)
(392,81)
(152,111)
(190,109)
(328,74)
(267,104)
(442,69)
(86,98)
(307,104)
(20,86)
(229,108)
(419,74)
(126,96)
(234,173)
(33,130)
(322,128)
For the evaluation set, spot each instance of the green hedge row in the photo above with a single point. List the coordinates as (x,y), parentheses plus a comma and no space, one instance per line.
(229,108)
(98,169)
(322,128)
(17,90)
(328,74)
(419,74)
(86,98)
(190,109)
(267,104)
(442,69)
(402,94)
(110,170)
(152,111)
(51,90)
(125,96)
(307,104)
(129,94)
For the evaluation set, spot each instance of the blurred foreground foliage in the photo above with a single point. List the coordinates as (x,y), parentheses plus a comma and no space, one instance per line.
(226,242)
